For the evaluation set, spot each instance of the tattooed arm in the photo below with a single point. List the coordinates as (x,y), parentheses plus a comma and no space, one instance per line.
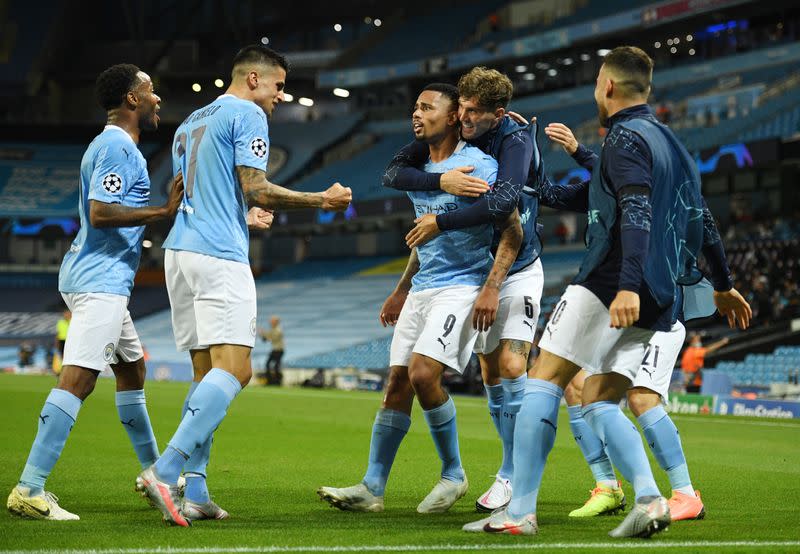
(390,310)
(488,300)
(258,191)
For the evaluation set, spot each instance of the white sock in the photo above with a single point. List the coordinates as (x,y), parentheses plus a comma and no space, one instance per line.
(688,491)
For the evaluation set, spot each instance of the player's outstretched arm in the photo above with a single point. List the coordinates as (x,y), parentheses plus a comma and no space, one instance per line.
(258,191)
(104,214)
(391,308)
(485,311)
(729,302)
(405,173)
(732,305)
(563,135)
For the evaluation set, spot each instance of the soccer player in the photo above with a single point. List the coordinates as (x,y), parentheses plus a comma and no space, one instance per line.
(650,387)
(222,150)
(432,308)
(95,280)
(503,350)
(623,293)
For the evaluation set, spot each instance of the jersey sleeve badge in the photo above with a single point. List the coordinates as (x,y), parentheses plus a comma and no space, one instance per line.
(112,183)
(259,147)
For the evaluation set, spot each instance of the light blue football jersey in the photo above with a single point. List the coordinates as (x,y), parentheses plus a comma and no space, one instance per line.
(113,171)
(459,256)
(209,144)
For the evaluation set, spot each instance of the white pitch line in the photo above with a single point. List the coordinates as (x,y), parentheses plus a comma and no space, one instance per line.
(423,548)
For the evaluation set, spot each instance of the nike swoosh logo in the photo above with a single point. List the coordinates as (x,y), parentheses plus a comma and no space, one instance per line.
(507,527)
(38,511)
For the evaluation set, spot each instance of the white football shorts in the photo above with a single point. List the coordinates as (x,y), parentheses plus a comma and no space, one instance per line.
(518,312)
(655,371)
(213,300)
(101,331)
(436,323)
(579,331)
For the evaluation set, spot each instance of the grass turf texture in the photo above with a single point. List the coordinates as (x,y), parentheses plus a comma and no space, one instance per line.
(277,446)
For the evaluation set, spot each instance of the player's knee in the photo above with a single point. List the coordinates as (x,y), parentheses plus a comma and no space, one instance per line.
(244,376)
(605,387)
(572,395)
(512,365)
(641,400)
(422,379)
(77,381)
(398,385)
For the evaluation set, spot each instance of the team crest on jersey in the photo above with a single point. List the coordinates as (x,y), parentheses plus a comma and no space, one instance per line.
(259,147)
(112,183)
(108,352)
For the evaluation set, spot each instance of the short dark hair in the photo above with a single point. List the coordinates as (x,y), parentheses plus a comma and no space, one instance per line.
(448,90)
(114,83)
(634,68)
(258,54)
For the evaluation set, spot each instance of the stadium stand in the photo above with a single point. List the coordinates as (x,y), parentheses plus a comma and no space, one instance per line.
(408,42)
(303,142)
(781,366)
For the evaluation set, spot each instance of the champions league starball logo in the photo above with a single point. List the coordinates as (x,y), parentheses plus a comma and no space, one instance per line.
(112,183)
(259,147)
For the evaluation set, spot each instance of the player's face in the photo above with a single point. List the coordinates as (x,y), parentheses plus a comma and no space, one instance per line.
(269,93)
(600,95)
(148,103)
(475,120)
(433,116)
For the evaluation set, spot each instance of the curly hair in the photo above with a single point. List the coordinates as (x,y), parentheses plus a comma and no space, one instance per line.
(492,89)
(633,67)
(114,83)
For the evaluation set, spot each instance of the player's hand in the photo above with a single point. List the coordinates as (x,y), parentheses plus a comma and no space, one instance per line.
(457,182)
(337,198)
(561,134)
(624,309)
(259,219)
(519,119)
(732,305)
(390,311)
(485,311)
(425,229)
(175,195)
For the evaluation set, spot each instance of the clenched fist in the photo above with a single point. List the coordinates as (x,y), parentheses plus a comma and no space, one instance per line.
(337,198)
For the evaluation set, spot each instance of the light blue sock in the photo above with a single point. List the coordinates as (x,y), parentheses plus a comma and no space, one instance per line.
(55,422)
(132,410)
(623,445)
(665,442)
(534,436)
(387,433)
(204,412)
(591,446)
(189,394)
(196,489)
(195,467)
(513,393)
(442,423)
(494,399)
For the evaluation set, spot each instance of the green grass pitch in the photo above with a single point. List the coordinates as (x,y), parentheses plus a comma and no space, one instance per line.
(277,446)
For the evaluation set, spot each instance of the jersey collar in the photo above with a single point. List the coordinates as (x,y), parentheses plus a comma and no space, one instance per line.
(117,128)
